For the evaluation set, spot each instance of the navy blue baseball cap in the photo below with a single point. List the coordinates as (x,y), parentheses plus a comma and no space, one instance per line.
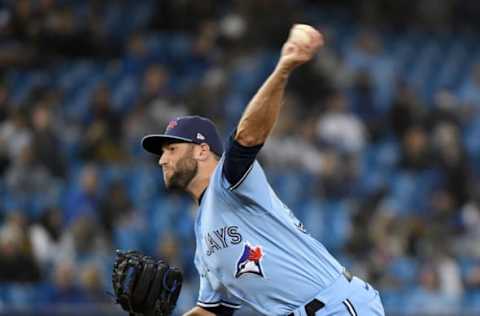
(187,129)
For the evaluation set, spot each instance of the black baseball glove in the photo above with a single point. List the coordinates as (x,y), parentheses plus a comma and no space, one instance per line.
(145,286)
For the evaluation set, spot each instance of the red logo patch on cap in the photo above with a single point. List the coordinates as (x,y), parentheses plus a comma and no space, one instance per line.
(172,124)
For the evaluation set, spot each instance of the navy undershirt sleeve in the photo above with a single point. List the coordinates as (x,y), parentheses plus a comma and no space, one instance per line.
(220,310)
(238,159)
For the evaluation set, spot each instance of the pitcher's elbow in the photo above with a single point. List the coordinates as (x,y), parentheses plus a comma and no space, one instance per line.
(249,140)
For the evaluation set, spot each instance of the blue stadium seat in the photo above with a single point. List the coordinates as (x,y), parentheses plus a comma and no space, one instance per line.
(144,184)
(314,218)
(471,303)
(20,295)
(20,86)
(471,138)
(404,270)
(328,221)
(393,301)
(337,224)
(125,92)
(131,237)
(292,186)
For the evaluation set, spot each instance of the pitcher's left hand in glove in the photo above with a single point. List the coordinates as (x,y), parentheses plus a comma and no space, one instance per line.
(145,286)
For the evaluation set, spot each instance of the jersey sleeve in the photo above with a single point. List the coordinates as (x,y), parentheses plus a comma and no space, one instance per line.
(217,302)
(249,183)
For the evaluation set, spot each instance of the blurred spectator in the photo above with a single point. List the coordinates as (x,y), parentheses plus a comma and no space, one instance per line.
(416,150)
(45,236)
(320,87)
(339,128)
(26,177)
(450,278)
(446,109)
(268,21)
(156,84)
(4,155)
(470,93)
(15,133)
(130,231)
(46,142)
(406,111)
(102,139)
(136,55)
(433,15)
(185,15)
(428,298)
(167,250)
(64,288)
(331,67)
(451,158)
(157,104)
(442,213)
(114,205)
(17,263)
(394,241)
(361,243)
(212,91)
(467,243)
(472,280)
(337,176)
(92,284)
(291,145)
(83,201)
(4,100)
(363,103)
(87,239)
(367,55)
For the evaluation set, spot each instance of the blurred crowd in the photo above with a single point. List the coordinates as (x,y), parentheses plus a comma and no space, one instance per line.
(377,149)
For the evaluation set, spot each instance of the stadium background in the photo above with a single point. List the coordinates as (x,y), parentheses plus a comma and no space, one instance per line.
(377,149)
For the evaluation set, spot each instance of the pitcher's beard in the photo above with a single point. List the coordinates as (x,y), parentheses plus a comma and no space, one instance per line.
(186,170)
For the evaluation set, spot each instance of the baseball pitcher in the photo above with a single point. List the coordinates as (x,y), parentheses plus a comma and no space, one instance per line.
(251,250)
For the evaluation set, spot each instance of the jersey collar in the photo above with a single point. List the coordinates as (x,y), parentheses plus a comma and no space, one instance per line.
(200,198)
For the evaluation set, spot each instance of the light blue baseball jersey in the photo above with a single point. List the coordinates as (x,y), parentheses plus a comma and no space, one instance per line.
(252,250)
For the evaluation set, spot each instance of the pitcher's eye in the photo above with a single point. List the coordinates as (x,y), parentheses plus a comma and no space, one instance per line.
(171,148)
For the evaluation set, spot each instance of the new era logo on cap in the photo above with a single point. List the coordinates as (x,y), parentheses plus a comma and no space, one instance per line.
(190,129)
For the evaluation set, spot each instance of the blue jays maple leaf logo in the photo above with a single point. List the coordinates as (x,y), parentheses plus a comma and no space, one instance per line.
(250,261)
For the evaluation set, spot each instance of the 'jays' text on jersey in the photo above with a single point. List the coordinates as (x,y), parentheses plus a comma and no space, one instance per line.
(251,249)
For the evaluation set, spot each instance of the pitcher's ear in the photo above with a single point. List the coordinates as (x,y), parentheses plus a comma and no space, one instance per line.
(204,152)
